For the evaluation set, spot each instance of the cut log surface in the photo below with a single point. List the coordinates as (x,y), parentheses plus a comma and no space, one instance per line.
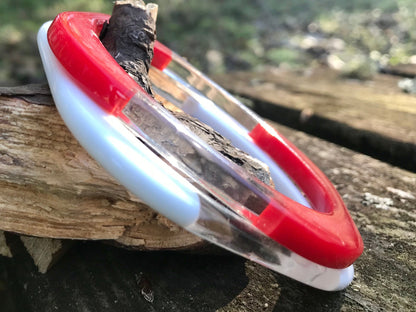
(52,188)
(374,117)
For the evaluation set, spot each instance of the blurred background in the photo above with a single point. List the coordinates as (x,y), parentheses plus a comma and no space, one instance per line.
(356,37)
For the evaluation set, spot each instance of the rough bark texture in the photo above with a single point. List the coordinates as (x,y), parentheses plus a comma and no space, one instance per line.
(52,188)
(129,37)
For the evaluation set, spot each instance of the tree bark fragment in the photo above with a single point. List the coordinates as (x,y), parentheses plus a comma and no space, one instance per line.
(129,37)
(45,251)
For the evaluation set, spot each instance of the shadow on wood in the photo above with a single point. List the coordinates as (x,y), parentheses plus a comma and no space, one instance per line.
(96,277)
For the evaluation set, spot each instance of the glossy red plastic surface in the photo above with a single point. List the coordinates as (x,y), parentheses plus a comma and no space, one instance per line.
(162,56)
(325,234)
(73,38)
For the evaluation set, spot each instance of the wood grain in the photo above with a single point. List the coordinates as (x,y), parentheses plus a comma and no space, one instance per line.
(374,117)
(96,277)
(52,188)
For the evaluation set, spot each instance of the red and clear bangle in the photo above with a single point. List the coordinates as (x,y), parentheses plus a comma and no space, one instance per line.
(301,228)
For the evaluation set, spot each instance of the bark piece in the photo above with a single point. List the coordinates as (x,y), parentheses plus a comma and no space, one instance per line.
(45,251)
(129,38)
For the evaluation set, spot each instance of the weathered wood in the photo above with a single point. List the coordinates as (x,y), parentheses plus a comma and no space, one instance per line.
(45,251)
(32,93)
(374,117)
(381,199)
(52,188)
(129,37)
(402,70)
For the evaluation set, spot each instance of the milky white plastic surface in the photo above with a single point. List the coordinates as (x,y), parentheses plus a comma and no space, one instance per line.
(116,148)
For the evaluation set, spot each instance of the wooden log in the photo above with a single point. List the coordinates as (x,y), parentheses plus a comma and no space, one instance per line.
(374,117)
(402,70)
(52,188)
(45,251)
(381,199)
